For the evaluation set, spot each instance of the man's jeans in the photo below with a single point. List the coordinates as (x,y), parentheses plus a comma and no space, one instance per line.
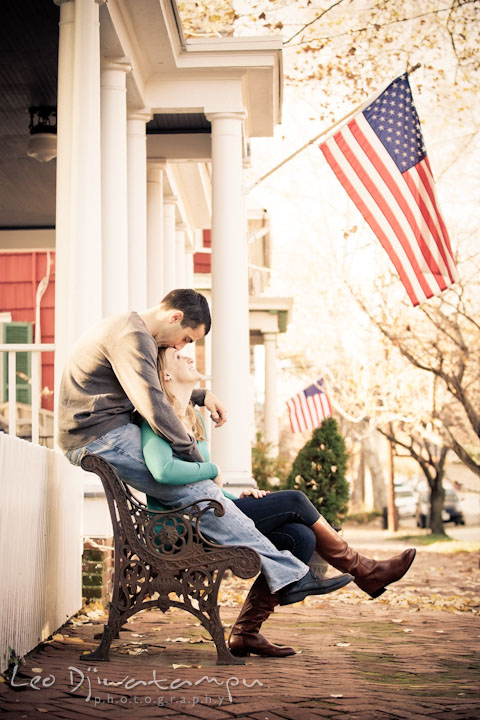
(122,447)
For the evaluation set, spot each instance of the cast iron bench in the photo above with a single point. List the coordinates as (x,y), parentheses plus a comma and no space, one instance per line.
(162,552)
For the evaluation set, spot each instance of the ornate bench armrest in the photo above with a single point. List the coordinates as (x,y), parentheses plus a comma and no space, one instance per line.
(167,536)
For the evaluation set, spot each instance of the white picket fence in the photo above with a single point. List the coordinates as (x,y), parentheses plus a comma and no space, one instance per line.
(41,513)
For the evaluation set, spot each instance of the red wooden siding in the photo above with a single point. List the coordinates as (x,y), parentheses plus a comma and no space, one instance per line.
(202,261)
(20,274)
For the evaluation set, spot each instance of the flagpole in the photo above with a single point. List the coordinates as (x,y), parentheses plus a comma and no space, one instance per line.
(317,137)
(299,150)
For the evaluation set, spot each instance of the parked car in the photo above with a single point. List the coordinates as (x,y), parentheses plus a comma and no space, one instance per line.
(406,501)
(450,513)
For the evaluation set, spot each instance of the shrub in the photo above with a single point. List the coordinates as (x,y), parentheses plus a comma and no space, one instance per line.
(319,471)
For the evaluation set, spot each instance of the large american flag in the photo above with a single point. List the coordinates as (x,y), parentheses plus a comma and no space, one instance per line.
(380,159)
(308,409)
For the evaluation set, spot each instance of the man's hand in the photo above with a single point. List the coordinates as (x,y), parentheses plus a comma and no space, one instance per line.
(255,492)
(217,412)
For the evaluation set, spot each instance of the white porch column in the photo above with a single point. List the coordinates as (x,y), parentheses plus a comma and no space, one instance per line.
(114,187)
(231,447)
(78,294)
(270,406)
(137,209)
(63,197)
(180,257)
(169,243)
(155,289)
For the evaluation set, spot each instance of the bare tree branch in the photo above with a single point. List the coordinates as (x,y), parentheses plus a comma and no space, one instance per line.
(376,26)
(339,2)
(462,454)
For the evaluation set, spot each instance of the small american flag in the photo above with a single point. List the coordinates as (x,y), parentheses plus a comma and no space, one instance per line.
(380,159)
(308,409)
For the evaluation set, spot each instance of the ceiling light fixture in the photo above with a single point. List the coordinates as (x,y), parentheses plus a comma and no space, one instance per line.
(43,133)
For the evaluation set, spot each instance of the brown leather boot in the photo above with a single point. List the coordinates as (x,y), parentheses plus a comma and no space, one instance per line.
(244,636)
(371,576)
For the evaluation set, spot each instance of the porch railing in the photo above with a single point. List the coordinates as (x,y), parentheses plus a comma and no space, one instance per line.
(36,349)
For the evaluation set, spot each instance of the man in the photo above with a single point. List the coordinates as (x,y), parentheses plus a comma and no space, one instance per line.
(112,371)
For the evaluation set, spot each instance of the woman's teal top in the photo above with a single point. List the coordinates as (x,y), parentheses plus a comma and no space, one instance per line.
(170,470)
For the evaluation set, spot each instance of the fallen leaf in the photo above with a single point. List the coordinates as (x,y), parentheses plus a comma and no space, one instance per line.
(57,637)
(178,639)
(336,696)
(179,666)
(40,709)
(398,620)
(342,644)
(37,670)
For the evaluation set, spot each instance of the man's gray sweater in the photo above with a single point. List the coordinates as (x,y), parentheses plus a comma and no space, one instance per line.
(112,371)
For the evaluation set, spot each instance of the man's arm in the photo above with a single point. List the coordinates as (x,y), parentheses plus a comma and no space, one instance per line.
(218,412)
(134,362)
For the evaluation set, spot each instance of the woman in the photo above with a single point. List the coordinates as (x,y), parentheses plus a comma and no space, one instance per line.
(285,579)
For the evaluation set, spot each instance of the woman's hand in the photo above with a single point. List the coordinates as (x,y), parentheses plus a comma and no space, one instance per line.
(255,492)
(217,411)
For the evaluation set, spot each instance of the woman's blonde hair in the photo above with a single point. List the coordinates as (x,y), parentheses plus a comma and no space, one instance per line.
(191,420)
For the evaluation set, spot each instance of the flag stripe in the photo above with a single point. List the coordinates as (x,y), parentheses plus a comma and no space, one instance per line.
(308,409)
(335,161)
(428,172)
(380,159)
(383,194)
(298,415)
(304,415)
(413,237)
(434,218)
(294,424)
(404,266)
(426,224)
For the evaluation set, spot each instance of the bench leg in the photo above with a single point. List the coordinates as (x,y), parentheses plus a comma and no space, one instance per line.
(110,632)
(213,625)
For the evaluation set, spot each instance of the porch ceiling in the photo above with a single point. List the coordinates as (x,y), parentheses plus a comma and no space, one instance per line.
(28,76)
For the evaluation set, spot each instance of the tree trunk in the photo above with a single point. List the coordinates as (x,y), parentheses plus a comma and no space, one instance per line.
(374,464)
(357,495)
(436,507)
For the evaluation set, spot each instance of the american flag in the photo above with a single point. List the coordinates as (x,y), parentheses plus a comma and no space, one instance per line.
(308,409)
(380,159)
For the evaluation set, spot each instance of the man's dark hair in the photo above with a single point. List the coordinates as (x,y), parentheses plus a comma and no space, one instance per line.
(193,305)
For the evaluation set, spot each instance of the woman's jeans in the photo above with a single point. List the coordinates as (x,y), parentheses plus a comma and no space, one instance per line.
(285,517)
(122,448)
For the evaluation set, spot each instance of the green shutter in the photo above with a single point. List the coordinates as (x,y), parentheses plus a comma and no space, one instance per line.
(18,332)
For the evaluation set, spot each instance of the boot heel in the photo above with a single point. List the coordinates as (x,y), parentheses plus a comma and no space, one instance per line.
(240,653)
(377,593)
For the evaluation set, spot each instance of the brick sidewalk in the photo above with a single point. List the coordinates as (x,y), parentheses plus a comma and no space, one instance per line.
(412,654)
